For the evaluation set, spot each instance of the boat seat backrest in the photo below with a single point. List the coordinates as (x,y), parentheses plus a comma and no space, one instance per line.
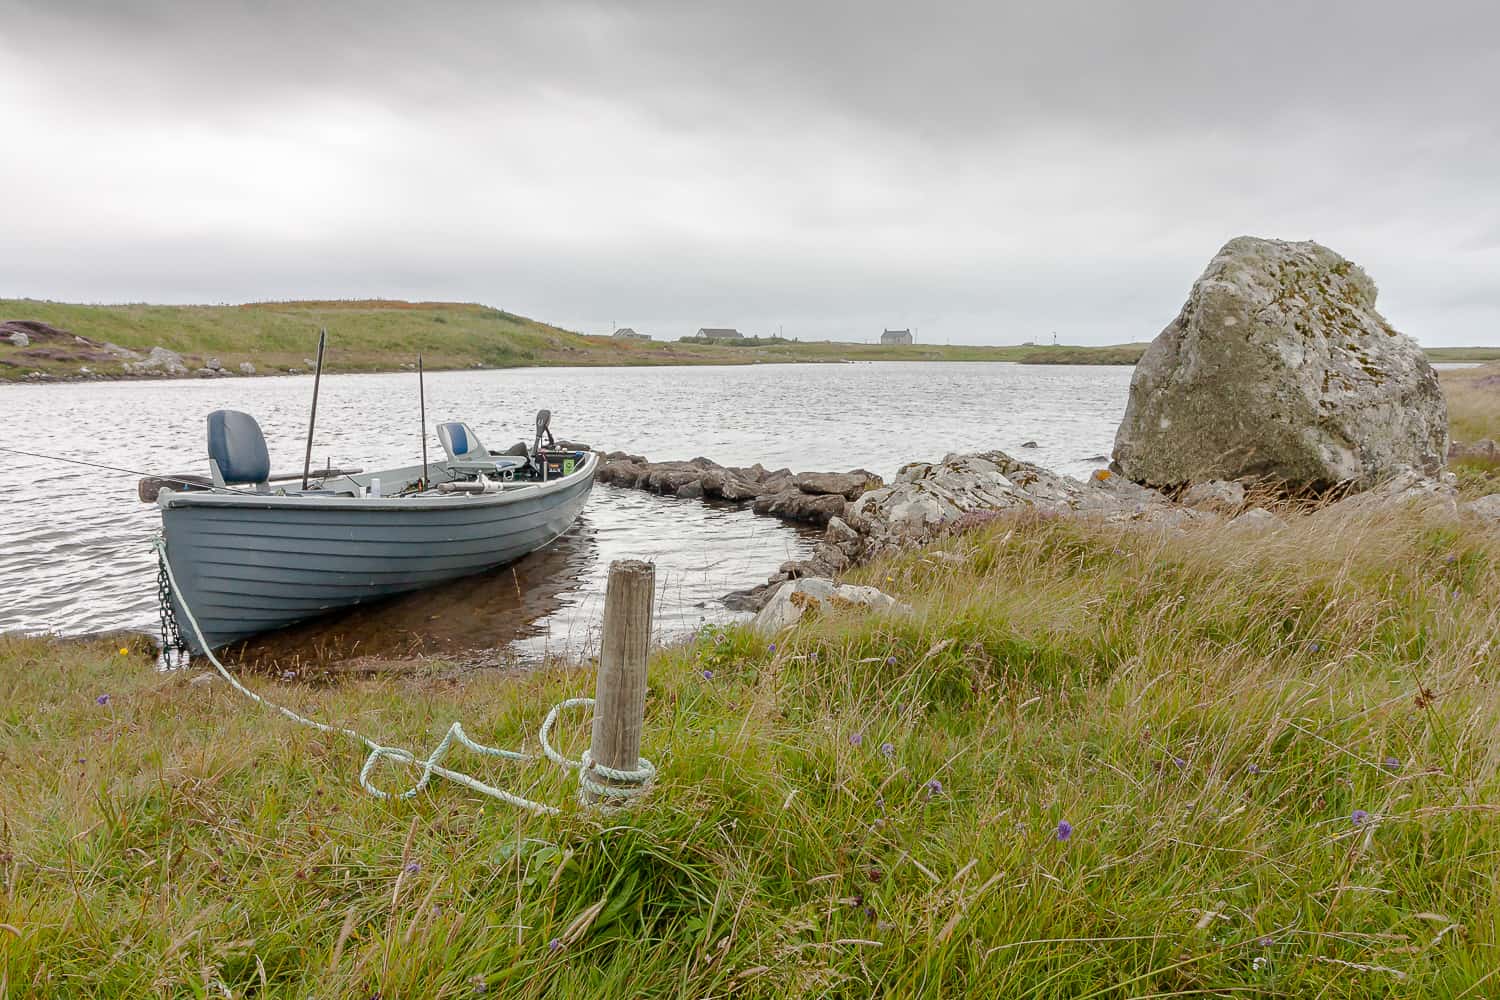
(460,441)
(237,449)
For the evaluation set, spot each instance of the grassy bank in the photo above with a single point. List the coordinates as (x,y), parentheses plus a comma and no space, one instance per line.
(1473,415)
(385,335)
(1276,757)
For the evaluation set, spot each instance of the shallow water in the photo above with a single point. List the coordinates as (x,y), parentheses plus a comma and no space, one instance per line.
(75,544)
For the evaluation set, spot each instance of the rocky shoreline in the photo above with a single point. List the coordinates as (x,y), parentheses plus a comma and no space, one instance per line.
(865,518)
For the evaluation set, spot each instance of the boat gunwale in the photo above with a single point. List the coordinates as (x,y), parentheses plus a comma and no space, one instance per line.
(173,500)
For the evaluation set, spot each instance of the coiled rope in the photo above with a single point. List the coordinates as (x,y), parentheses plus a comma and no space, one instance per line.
(593,778)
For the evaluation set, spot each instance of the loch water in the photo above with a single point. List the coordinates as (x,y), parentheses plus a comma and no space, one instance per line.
(76,545)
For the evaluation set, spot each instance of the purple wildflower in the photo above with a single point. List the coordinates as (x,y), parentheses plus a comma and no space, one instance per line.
(890,661)
(554,944)
(1064,830)
(103,699)
(1179,762)
(856,739)
(412,867)
(708,675)
(1314,647)
(888,749)
(1360,817)
(1392,764)
(1266,941)
(1252,768)
(1451,559)
(771,648)
(933,787)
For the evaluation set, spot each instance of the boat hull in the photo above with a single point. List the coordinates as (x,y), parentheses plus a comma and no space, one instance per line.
(247,564)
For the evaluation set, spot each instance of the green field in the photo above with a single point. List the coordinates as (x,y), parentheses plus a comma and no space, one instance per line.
(1276,755)
(385,335)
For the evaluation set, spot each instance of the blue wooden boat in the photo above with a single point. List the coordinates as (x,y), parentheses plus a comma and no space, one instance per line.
(249,556)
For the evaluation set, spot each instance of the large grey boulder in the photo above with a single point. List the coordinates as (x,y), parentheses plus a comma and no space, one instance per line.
(1279,368)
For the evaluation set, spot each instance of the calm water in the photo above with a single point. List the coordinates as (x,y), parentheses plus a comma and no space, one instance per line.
(75,544)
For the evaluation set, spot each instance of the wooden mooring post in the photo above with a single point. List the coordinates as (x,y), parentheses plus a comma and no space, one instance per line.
(620,694)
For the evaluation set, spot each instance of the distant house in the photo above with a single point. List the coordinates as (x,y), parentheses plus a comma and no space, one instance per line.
(896,337)
(719,333)
(626,333)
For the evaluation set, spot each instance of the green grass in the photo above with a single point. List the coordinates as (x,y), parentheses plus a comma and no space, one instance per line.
(1208,711)
(1474,414)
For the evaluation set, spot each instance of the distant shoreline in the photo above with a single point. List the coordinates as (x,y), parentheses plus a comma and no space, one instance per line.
(77,343)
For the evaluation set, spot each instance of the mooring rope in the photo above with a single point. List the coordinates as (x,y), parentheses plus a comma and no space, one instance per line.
(633,782)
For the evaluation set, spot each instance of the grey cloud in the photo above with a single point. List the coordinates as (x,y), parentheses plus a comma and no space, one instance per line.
(981,171)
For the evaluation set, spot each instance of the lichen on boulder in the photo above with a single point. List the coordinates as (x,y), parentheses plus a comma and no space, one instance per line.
(1279,369)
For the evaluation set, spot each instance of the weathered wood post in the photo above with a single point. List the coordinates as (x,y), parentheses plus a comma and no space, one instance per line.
(620,695)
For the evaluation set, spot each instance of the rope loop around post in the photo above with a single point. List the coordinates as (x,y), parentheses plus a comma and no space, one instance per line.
(632,783)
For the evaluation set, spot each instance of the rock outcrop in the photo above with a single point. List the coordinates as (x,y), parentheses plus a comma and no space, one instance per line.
(1279,368)
(160,361)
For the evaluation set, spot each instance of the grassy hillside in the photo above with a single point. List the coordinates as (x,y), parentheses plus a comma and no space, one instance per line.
(384,335)
(363,336)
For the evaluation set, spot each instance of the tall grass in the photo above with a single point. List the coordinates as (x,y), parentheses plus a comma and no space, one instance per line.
(1275,754)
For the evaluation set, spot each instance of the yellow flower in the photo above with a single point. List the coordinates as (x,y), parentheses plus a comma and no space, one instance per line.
(124,651)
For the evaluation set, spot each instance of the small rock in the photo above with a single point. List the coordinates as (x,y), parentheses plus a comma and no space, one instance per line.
(246,368)
(213,364)
(1486,508)
(690,491)
(1255,519)
(795,597)
(848,485)
(19,339)
(1216,494)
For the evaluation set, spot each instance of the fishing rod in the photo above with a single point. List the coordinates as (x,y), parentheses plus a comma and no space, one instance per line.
(151,482)
(313,418)
(200,482)
(422,399)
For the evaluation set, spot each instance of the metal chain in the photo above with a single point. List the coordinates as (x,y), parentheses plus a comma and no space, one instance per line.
(171,634)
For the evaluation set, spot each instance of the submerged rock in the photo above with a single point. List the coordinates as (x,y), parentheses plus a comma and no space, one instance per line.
(795,598)
(1280,368)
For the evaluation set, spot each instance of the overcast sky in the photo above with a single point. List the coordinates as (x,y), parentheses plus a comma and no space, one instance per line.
(986,173)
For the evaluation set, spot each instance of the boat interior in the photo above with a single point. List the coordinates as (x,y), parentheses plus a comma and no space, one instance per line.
(239,462)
